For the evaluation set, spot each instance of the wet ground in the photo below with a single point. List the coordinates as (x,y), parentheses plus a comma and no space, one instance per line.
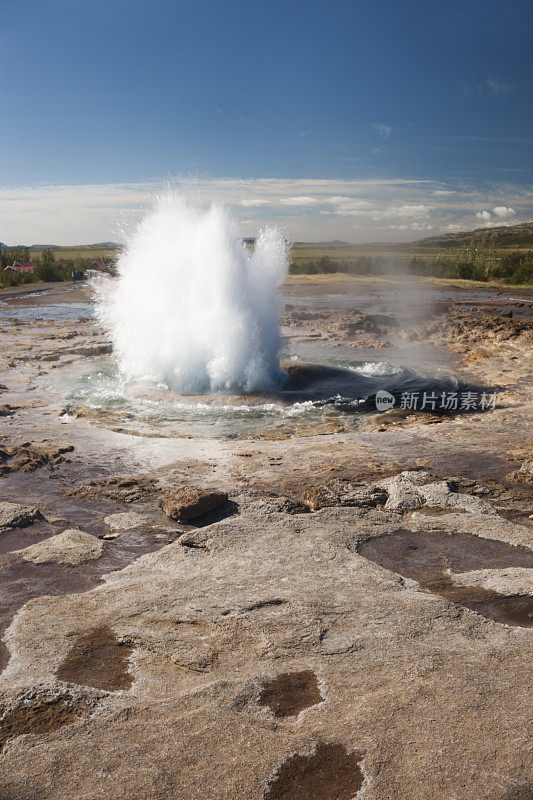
(126,443)
(432,558)
(329,397)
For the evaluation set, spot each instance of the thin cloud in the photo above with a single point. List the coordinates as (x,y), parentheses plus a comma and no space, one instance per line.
(491,87)
(498,88)
(255,201)
(247,121)
(382,130)
(299,201)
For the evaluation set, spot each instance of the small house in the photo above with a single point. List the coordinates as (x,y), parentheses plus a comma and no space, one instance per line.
(22,266)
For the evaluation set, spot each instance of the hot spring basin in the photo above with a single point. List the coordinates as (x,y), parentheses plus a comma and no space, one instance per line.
(310,396)
(319,383)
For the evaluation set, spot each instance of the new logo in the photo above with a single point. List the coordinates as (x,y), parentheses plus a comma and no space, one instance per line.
(384,400)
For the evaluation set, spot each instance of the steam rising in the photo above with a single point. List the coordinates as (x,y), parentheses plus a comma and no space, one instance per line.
(192,308)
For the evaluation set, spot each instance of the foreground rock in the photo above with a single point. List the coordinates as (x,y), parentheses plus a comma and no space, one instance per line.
(123,488)
(14,515)
(70,547)
(258,662)
(190,503)
(28,457)
(124,521)
(411,490)
(342,493)
(522,475)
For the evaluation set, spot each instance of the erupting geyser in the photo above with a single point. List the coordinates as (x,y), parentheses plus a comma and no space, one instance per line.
(192,308)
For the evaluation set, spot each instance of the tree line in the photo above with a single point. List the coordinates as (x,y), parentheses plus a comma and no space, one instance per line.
(47,267)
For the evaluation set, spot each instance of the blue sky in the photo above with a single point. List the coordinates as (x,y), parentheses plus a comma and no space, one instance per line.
(410,117)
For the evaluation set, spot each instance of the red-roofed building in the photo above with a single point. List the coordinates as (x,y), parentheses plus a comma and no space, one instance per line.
(98,263)
(22,266)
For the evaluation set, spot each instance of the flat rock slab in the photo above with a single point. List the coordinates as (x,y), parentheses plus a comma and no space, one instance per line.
(14,515)
(190,503)
(70,547)
(341,493)
(125,521)
(512,580)
(277,663)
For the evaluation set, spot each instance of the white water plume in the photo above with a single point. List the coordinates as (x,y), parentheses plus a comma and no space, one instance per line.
(192,307)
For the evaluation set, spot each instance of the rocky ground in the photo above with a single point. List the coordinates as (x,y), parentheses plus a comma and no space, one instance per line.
(327,612)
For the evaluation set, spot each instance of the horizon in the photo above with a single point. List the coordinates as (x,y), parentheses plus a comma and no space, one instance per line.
(383,124)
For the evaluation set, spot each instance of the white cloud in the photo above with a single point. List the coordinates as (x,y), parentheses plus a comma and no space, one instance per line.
(412,210)
(255,201)
(299,201)
(382,130)
(307,209)
(503,211)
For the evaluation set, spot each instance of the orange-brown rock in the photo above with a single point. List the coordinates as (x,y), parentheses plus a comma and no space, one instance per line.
(190,502)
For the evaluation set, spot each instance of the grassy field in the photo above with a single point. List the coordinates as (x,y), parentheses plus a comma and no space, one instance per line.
(457,283)
(65,253)
(310,251)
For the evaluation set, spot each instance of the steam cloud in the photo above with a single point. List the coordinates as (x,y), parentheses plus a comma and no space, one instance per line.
(192,308)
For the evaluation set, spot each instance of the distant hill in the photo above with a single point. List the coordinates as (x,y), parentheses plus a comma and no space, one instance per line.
(97,246)
(323,244)
(505,236)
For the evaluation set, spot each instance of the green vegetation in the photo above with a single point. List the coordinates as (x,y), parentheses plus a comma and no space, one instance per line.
(77,252)
(47,267)
(480,260)
(476,263)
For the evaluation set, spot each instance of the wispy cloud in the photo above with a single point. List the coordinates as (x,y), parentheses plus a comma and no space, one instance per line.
(498,87)
(303,200)
(382,130)
(246,120)
(254,201)
(491,87)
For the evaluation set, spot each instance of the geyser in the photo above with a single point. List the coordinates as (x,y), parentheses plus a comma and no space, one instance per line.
(192,307)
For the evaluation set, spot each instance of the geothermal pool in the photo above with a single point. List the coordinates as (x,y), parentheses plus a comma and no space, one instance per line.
(325,395)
